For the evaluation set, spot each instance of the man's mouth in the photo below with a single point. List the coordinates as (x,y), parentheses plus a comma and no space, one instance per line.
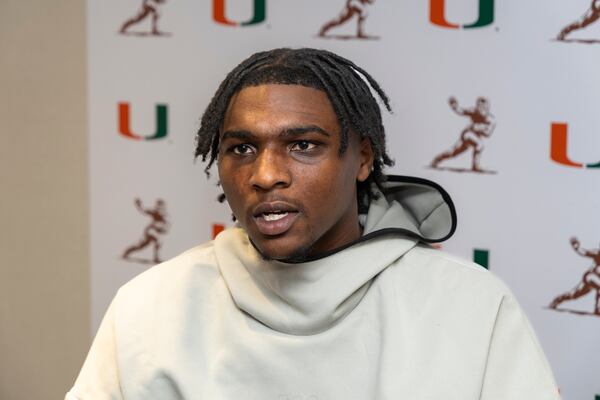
(274,218)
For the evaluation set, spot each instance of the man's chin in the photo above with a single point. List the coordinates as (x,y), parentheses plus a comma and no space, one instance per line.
(297,255)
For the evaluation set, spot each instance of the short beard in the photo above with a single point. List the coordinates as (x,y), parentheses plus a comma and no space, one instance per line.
(299,256)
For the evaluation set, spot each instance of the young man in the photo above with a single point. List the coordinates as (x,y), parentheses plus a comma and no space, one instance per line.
(326,288)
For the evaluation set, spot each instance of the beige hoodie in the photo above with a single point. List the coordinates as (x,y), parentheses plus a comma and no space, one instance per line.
(384,318)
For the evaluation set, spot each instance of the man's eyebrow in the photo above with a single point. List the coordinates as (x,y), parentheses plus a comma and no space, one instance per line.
(300,130)
(287,132)
(237,135)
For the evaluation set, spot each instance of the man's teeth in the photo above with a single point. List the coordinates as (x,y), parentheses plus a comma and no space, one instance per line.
(274,216)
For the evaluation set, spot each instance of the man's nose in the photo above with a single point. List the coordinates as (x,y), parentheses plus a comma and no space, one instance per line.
(270,170)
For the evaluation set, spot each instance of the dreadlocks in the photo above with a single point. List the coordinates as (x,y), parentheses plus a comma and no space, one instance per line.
(344,82)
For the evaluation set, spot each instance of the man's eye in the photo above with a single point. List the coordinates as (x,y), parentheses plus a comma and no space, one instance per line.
(242,149)
(302,145)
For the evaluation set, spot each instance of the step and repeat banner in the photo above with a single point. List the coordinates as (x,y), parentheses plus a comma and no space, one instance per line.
(495,100)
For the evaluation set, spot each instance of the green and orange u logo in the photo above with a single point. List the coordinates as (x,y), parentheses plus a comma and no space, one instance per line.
(437,15)
(558,147)
(259,15)
(161,123)
(482,257)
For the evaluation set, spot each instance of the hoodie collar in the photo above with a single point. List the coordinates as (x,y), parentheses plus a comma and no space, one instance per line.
(309,297)
(302,298)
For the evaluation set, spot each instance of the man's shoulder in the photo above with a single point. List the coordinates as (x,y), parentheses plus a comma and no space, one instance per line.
(436,271)
(196,264)
(438,258)
(434,288)
(165,292)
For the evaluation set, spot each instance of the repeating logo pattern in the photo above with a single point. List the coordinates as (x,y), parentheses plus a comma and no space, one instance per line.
(469,147)
(589,17)
(152,235)
(590,282)
(472,137)
(149,10)
(259,14)
(558,147)
(162,122)
(437,15)
(352,8)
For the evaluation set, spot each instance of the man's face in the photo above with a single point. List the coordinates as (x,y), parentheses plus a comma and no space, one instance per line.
(280,169)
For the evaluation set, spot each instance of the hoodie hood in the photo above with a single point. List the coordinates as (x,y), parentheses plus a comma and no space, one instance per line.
(310,297)
(411,206)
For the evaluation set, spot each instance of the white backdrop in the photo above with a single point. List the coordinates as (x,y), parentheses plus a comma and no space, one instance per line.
(523,215)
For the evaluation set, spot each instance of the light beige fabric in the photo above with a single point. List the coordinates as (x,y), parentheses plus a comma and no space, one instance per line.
(382,319)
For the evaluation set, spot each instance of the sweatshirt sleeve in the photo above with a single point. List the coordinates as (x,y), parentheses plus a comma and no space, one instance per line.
(516,367)
(99,376)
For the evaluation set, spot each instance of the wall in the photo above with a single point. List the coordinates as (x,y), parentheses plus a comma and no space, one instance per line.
(532,199)
(44,268)
(531,80)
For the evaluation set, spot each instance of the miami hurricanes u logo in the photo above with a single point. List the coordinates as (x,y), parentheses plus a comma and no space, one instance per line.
(558,147)
(161,123)
(482,257)
(437,15)
(259,15)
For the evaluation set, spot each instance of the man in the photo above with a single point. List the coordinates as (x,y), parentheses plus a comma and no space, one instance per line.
(352,8)
(326,288)
(590,16)
(590,282)
(482,125)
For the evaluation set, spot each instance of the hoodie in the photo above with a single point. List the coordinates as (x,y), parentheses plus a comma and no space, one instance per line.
(385,317)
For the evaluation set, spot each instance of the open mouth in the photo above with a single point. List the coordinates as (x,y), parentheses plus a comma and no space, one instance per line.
(274,218)
(269,217)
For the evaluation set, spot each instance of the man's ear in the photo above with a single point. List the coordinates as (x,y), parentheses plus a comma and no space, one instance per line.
(366,160)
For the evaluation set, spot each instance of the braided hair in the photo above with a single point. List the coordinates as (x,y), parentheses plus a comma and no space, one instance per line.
(344,83)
